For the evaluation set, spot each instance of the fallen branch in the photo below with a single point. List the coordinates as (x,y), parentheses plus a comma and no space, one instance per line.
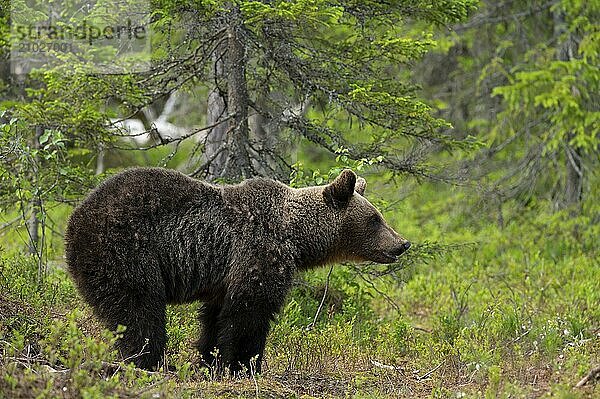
(423,329)
(428,374)
(386,366)
(592,376)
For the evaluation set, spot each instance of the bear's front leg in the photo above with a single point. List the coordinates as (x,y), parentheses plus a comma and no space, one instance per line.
(242,337)
(250,304)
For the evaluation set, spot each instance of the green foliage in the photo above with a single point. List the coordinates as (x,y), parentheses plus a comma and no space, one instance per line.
(316,13)
(523,78)
(557,91)
(29,170)
(301,177)
(18,281)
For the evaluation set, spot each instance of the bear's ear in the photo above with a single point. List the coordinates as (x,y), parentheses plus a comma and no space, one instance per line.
(339,192)
(361,185)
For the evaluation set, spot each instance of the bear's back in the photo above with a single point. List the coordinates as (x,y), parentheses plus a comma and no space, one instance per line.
(132,213)
(136,197)
(146,190)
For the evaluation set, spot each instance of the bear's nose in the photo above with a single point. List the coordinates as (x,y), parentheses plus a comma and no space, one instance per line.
(406,245)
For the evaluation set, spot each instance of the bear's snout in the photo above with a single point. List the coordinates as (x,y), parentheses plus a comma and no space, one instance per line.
(391,254)
(400,249)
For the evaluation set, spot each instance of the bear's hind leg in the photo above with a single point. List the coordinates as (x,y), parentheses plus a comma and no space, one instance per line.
(144,339)
(209,313)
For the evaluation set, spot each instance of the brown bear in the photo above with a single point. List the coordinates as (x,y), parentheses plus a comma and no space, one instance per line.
(148,237)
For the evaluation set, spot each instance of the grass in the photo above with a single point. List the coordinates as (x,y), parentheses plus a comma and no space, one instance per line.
(515,315)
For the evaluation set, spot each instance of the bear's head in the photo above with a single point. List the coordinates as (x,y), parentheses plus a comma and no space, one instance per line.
(363,234)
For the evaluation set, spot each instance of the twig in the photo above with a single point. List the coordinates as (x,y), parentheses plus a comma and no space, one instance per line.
(152,386)
(383,294)
(9,223)
(207,163)
(167,140)
(311,325)
(253,374)
(139,354)
(520,336)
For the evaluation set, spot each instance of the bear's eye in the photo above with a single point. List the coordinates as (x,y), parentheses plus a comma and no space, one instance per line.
(374,221)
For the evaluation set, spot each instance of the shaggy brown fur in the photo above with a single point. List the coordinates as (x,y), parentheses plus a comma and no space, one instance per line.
(149,237)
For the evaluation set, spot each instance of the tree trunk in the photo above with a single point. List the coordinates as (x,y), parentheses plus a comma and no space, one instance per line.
(100,159)
(264,142)
(33,227)
(574,176)
(238,162)
(215,153)
(33,223)
(5,72)
(227,148)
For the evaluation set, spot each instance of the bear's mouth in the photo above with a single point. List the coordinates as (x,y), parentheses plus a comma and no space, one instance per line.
(389,258)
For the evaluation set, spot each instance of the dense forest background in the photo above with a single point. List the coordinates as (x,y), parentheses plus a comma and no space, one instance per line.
(475,123)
